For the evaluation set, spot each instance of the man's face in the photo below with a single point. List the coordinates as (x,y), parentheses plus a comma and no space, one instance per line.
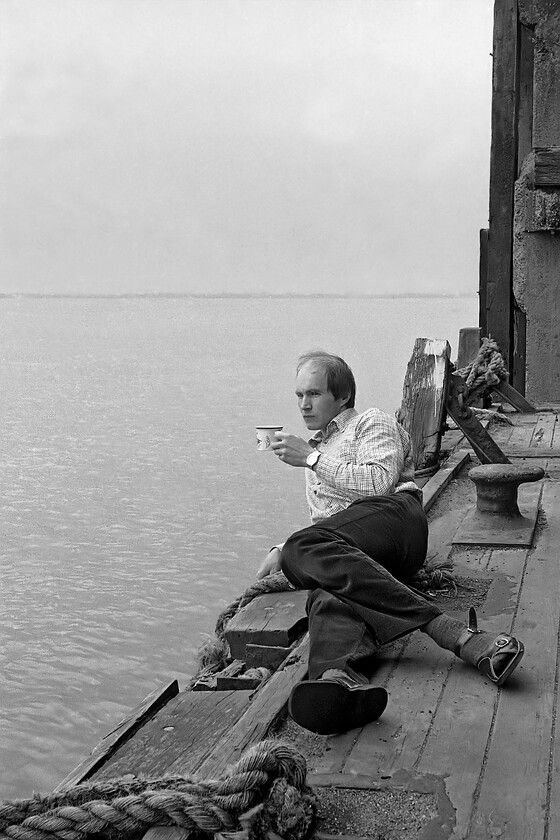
(316,403)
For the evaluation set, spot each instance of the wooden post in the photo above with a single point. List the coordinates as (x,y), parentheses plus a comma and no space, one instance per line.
(503,172)
(469,345)
(422,410)
(483,282)
(467,351)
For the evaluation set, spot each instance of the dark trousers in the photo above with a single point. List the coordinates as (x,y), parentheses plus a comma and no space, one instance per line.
(356,564)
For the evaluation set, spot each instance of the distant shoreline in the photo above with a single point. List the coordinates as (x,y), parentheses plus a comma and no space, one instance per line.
(233,295)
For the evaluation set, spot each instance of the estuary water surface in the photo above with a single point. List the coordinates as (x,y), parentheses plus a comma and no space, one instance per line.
(134,505)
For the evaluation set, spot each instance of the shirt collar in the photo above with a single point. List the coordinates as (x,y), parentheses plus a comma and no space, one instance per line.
(338,423)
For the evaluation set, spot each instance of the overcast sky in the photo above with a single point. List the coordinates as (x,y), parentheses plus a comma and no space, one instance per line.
(244,145)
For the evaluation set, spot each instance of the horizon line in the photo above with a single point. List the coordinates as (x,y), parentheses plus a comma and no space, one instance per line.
(217,295)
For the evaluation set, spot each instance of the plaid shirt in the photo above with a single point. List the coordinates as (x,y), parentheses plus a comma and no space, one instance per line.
(367,454)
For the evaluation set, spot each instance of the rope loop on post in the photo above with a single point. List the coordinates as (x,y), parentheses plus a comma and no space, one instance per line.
(488,368)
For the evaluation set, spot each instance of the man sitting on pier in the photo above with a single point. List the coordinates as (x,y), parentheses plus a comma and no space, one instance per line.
(367,539)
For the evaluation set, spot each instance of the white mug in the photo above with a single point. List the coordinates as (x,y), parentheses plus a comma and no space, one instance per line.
(265,436)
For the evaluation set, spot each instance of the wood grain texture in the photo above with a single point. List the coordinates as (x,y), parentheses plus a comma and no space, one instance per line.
(180,736)
(422,409)
(518,801)
(109,745)
(275,619)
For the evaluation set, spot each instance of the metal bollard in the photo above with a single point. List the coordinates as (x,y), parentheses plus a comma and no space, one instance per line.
(497,484)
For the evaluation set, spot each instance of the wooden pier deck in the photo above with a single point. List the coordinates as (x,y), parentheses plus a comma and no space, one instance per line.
(460,758)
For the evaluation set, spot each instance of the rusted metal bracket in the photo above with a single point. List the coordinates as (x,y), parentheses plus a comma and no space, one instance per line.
(486,449)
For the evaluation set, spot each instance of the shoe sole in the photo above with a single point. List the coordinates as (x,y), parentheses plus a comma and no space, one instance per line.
(329,707)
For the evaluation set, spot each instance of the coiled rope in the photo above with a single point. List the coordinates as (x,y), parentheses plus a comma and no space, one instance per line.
(264,796)
(488,368)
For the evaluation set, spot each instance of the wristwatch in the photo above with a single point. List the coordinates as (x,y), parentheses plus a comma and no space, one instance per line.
(312,458)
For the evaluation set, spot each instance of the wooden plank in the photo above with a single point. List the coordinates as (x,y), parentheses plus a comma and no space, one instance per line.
(437,483)
(501,434)
(452,440)
(517,803)
(266,656)
(513,397)
(240,683)
(522,436)
(503,172)
(209,681)
(275,619)
(108,746)
(423,402)
(180,736)
(461,728)
(543,434)
(517,454)
(547,167)
(483,281)
(267,706)
(415,687)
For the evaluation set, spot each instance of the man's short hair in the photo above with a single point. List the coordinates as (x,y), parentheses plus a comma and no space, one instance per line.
(340,379)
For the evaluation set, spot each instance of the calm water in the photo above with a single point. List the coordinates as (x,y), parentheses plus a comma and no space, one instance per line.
(134,504)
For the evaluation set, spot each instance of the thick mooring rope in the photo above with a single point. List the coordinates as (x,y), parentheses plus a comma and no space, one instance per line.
(264,796)
(488,368)
(277,582)
(214,653)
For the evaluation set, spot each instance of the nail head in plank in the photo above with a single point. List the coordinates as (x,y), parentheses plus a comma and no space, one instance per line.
(180,736)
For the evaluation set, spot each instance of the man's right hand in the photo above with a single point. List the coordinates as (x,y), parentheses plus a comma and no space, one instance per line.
(270,564)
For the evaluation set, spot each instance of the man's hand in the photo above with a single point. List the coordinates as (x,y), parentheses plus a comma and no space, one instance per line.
(291,449)
(270,564)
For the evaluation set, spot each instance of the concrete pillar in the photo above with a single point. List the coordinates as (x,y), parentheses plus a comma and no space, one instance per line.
(536,241)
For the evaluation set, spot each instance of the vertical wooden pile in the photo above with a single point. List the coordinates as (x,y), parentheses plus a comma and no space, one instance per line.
(422,411)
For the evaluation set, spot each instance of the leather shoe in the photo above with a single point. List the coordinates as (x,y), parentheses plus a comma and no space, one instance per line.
(335,703)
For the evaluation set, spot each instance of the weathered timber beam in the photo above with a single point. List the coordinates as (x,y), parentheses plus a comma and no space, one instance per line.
(422,408)
(435,486)
(514,398)
(109,745)
(267,706)
(275,619)
(486,449)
